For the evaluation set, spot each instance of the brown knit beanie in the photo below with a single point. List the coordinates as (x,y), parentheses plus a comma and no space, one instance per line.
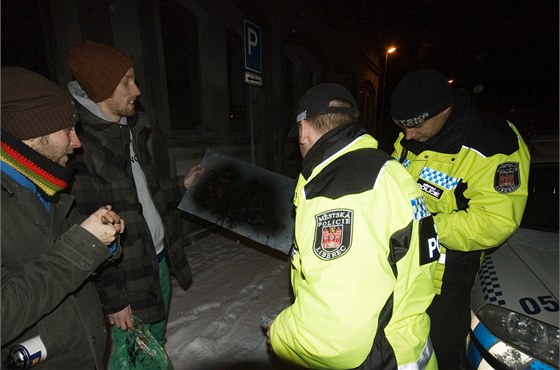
(98,68)
(34,106)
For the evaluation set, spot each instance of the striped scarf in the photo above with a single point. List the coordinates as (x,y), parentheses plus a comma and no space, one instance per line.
(49,177)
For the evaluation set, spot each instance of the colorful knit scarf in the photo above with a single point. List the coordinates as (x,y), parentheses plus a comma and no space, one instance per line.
(48,176)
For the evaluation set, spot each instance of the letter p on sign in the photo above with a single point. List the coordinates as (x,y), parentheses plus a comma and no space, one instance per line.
(253,47)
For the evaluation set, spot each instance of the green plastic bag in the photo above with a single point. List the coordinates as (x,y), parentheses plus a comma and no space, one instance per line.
(140,351)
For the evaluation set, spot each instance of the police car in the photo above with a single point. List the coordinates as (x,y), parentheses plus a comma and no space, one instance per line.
(514,302)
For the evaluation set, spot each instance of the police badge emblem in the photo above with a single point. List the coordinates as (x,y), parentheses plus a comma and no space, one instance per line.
(506,178)
(333,233)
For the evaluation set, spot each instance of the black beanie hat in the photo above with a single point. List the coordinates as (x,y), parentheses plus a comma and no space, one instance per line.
(34,106)
(419,96)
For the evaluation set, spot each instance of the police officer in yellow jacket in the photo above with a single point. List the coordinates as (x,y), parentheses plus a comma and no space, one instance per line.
(473,171)
(364,251)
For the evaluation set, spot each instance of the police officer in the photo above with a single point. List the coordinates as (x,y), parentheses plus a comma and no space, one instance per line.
(364,250)
(473,171)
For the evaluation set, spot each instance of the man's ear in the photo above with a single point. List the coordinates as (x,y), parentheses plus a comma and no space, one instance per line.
(303,132)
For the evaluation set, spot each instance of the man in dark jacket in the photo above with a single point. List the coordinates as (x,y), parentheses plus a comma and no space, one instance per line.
(47,258)
(115,166)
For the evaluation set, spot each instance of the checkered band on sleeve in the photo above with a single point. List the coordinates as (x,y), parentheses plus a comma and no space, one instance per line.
(420,210)
(439,178)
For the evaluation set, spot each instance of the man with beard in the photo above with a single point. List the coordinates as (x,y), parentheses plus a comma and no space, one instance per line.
(48,259)
(116,167)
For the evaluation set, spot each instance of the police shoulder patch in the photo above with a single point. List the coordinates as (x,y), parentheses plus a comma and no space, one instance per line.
(333,233)
(506,178)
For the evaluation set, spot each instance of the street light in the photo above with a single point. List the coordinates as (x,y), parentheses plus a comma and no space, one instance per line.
(390,50)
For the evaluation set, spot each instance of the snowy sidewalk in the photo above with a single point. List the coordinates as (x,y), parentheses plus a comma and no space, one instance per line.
(216,324)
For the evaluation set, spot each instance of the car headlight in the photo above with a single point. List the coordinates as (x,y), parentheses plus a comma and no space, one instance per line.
(533,337)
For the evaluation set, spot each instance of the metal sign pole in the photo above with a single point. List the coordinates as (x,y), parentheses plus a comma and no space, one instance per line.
(252,124)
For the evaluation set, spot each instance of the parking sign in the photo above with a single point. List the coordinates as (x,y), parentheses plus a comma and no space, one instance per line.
(253,47)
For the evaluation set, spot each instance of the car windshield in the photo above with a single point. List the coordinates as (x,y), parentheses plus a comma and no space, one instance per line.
(542,211)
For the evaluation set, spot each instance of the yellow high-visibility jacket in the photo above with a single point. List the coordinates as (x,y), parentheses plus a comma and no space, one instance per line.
(362,263)
(474,178)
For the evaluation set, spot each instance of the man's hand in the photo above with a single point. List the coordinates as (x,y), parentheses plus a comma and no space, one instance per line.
(104,224)
(122,319)
(192,175)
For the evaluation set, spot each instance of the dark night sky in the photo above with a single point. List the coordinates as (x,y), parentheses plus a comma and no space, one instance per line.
(511,47)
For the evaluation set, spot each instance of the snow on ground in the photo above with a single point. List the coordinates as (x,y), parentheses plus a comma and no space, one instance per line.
(217,322)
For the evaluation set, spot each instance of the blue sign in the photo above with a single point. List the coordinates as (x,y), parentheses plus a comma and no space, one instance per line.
(253,46)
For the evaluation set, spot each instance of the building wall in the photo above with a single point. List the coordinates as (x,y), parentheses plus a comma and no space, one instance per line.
(187,56)
(303,43)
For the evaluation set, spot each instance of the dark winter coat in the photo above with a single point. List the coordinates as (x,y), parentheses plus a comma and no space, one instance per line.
(104,176)
(47,262)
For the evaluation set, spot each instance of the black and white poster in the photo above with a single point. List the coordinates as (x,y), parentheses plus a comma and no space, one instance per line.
(246,199)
